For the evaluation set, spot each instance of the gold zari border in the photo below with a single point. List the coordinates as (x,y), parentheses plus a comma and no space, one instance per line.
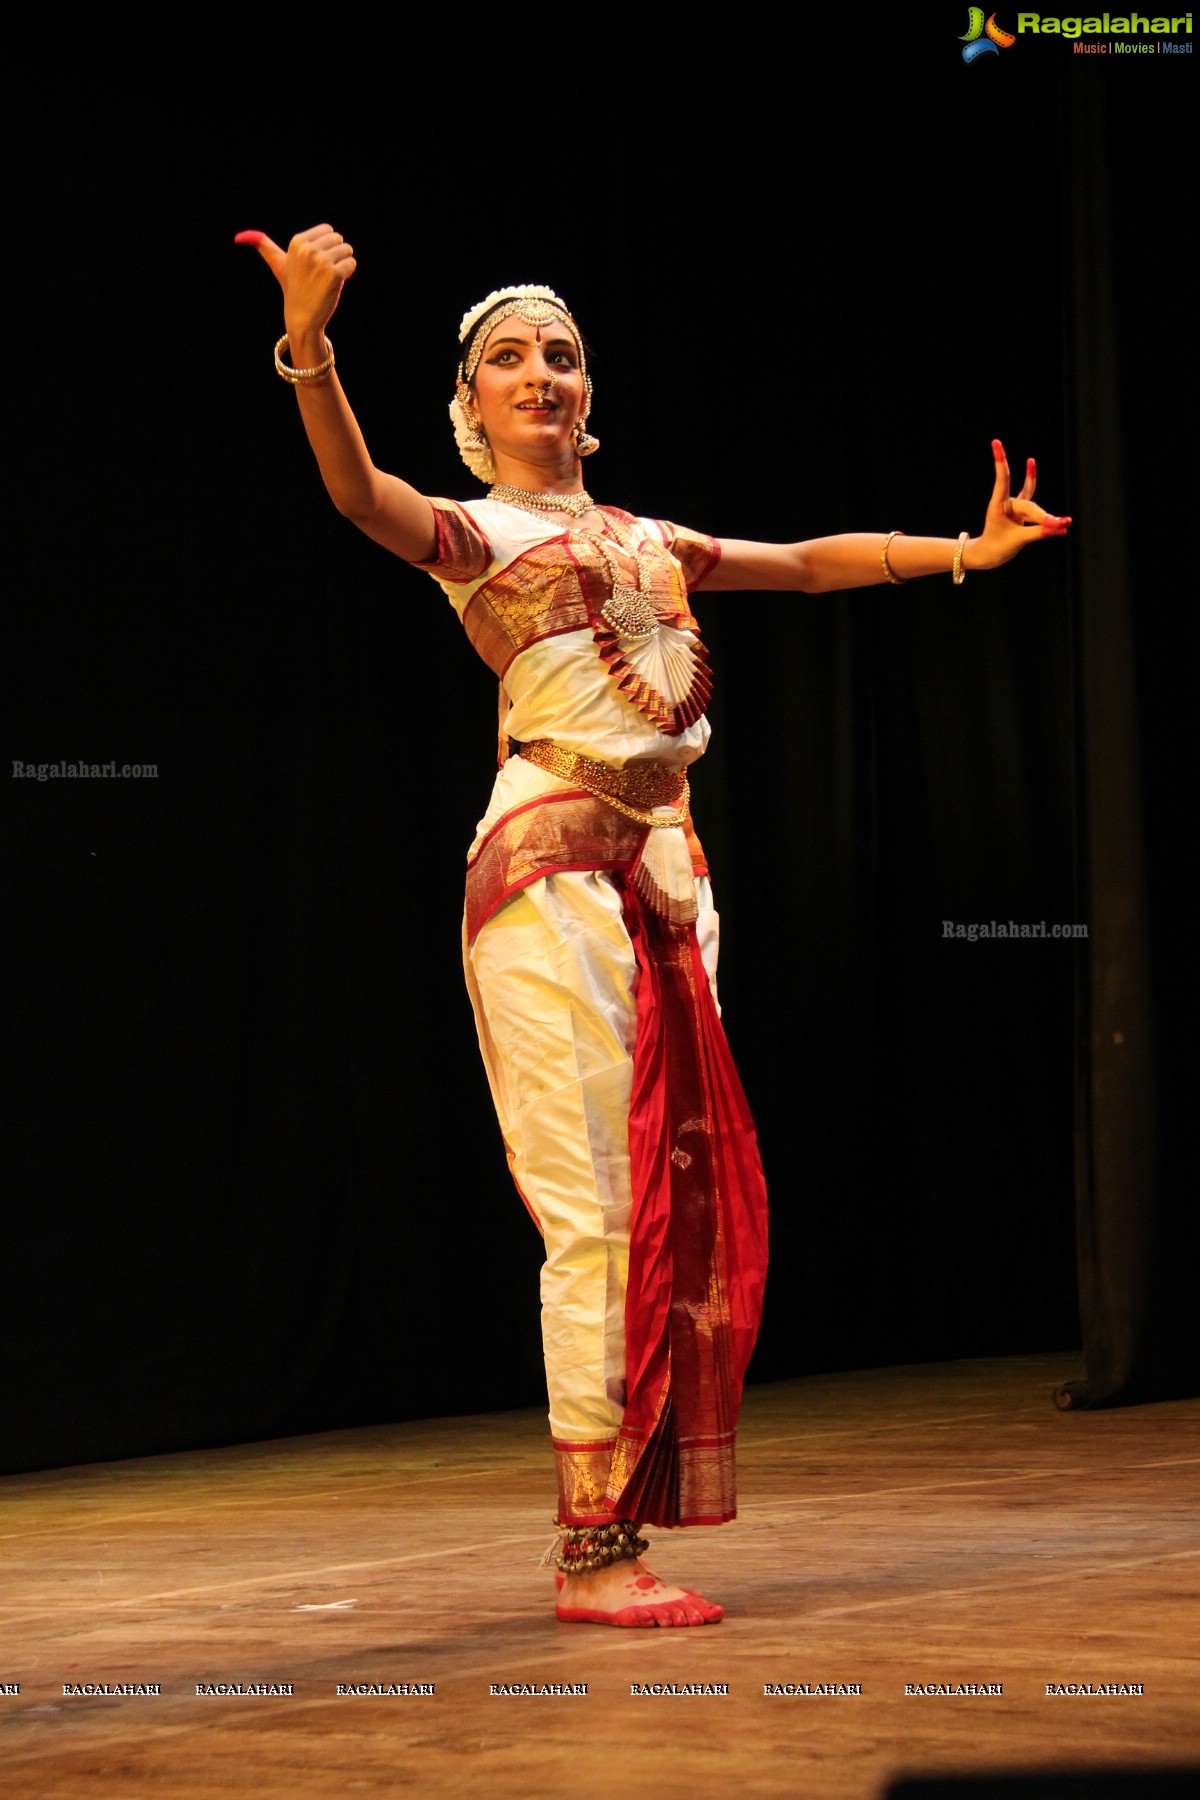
(582,1481)
(556,832)
(593,1476)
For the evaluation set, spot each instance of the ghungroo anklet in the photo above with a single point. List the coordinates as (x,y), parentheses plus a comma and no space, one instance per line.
(587,1548)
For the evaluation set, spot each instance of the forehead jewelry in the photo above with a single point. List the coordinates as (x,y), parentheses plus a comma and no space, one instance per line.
(536,306)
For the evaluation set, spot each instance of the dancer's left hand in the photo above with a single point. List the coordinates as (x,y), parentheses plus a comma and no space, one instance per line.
(1012,520)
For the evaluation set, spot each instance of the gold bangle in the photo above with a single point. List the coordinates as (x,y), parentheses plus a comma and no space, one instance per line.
(958,572)
(300,377)
(896,580)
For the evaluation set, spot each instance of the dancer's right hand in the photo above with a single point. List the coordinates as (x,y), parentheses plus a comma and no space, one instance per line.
(311,272)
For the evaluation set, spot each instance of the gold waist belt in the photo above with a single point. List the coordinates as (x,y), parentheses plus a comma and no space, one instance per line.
(633,790)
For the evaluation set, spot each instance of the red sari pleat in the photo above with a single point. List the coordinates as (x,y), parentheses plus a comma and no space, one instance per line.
(698,1250)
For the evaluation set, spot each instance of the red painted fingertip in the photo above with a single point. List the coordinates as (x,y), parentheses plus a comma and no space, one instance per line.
(250,237)
(998,450)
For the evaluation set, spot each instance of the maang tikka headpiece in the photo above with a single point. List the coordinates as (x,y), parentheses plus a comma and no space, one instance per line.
(537,306)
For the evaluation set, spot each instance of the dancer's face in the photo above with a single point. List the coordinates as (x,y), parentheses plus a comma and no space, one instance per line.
(529,389)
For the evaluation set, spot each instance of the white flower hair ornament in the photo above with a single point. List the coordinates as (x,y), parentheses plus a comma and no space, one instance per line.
(537,306)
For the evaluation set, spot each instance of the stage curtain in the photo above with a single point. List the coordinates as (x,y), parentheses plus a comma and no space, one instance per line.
(1135,1207)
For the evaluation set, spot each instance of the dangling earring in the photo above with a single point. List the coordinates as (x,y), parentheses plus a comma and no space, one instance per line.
(469,435)
(585,443)
(475,437)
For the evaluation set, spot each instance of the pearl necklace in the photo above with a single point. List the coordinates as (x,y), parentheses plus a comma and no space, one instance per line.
(534,501)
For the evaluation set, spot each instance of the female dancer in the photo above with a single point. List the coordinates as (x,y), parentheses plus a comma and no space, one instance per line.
(590,939)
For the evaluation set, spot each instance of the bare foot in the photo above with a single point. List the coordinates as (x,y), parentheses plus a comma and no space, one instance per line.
(628,1593)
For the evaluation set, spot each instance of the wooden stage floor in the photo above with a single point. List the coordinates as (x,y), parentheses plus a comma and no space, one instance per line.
(931,1526)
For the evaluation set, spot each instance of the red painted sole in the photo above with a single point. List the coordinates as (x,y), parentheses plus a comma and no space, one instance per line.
(636,1616)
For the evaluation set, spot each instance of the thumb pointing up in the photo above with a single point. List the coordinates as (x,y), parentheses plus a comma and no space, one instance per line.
(270,252)
(311,272)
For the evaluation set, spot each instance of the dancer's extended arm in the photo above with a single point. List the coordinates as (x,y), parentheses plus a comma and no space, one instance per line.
(854,558)
(311,272)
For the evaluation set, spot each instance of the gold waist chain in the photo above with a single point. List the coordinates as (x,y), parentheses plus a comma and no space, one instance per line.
(633,790)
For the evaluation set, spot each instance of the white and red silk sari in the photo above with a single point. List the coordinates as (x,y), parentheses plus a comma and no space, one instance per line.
(590,946)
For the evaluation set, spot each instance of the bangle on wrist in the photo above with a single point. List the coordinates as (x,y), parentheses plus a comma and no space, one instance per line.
(958,573)
(301,377)
(896,580)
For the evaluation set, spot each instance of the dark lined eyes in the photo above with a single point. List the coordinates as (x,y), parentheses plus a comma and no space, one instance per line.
(562,358)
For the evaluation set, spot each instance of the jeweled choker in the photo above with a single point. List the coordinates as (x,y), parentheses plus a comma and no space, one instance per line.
(540,502)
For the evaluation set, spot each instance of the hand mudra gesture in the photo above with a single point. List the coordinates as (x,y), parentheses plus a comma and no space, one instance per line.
(311,272)
(1013,520)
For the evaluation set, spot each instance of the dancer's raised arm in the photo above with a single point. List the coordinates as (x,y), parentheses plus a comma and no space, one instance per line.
(312,272)
(866,558)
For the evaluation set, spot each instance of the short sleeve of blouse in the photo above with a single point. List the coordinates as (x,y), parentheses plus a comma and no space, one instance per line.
(463,552)
(695,552)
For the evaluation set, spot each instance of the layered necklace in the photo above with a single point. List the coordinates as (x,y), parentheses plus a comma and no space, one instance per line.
(628,610)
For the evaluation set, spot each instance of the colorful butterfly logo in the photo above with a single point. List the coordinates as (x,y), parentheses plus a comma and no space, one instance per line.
(983,39)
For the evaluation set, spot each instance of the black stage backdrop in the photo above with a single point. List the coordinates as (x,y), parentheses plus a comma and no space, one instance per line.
(258,1188)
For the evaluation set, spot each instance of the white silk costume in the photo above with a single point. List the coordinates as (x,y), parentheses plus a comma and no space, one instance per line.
(550,964)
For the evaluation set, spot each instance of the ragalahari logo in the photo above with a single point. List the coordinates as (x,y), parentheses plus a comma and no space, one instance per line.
(983,39)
